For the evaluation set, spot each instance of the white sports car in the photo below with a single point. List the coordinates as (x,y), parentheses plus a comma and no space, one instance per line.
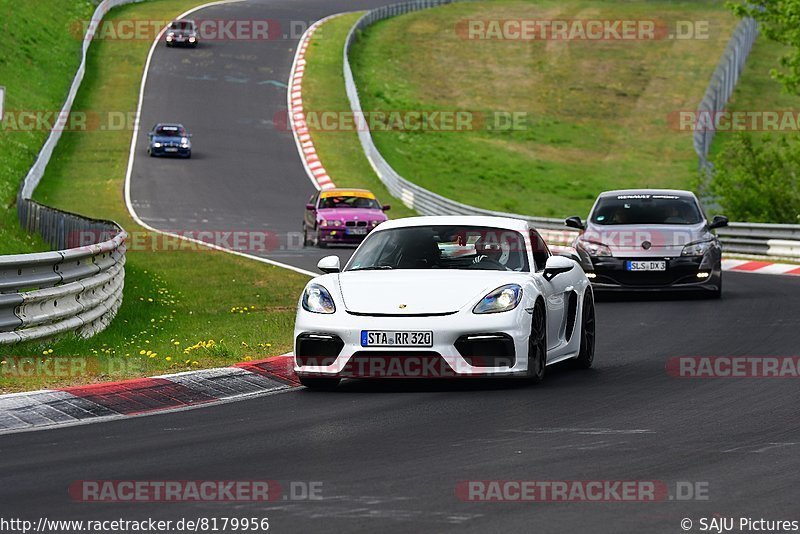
(444,297)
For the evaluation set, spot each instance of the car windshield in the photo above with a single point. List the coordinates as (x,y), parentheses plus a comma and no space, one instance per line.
(442,247)
(646,209)
(346,201)
(170,131)
(186,26)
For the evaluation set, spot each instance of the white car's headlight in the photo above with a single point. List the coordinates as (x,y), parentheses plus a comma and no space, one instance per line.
(594,249)
(316,299)
(696,249)
(504,298)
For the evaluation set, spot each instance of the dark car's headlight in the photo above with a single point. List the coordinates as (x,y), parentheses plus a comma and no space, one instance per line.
(184,142)
(504,298)
(593,248)
(317,299)
(156,145)
(698,248)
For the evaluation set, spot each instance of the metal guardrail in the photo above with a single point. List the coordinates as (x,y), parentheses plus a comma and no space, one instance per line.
(77,287)
(777,240)
(721,86)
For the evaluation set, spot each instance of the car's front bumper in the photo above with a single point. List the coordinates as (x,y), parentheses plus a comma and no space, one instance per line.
(681,274)
(441,360)
(334,235)
(181,42)
(163,151)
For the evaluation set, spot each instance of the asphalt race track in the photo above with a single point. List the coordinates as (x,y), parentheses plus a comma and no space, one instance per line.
(390,454)
(245,174)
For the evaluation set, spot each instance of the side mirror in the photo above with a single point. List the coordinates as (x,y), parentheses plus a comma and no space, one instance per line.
(557,265)
(188,135)
(329,264)
(570,256)
(149,134)
(718,222)
(386,207)
(575,222)
(310,207)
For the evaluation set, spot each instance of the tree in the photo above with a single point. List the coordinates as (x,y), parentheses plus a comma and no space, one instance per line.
(757,181)
(780,21)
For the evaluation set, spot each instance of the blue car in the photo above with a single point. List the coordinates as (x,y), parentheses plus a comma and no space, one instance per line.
(169,140)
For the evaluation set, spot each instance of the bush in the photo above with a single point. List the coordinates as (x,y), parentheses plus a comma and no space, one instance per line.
(757,181)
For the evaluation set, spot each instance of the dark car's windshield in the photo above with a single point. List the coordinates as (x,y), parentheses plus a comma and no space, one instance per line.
(442,247)
(170,131)
(185,26)
(646,209)
(345,201)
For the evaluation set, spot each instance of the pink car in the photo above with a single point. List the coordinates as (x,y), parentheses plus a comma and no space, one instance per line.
(341,216)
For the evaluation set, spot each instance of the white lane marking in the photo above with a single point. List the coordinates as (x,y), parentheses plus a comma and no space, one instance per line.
(762,447)
(132,157)
(585,431)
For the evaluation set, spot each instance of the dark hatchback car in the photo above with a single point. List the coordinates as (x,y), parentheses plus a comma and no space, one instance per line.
(181,33)
(169,140)
(650,240)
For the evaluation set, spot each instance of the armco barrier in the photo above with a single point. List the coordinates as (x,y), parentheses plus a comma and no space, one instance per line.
(77,287)
(775,240)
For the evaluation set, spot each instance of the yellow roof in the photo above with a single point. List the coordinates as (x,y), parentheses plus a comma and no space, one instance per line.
(360,193)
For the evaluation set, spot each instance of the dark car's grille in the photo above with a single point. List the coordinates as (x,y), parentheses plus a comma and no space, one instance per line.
(356,223)
(317,349)
(679,271)
(487,350)
(400,364)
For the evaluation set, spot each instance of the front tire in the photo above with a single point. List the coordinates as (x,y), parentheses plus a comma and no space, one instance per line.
(320,383)
(537,344)
(717,293)
(588,329)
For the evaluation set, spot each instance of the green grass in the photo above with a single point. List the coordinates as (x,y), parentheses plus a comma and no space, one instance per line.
(39,59)
(757,91)
(597,111)
(323,90)
(173,299)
